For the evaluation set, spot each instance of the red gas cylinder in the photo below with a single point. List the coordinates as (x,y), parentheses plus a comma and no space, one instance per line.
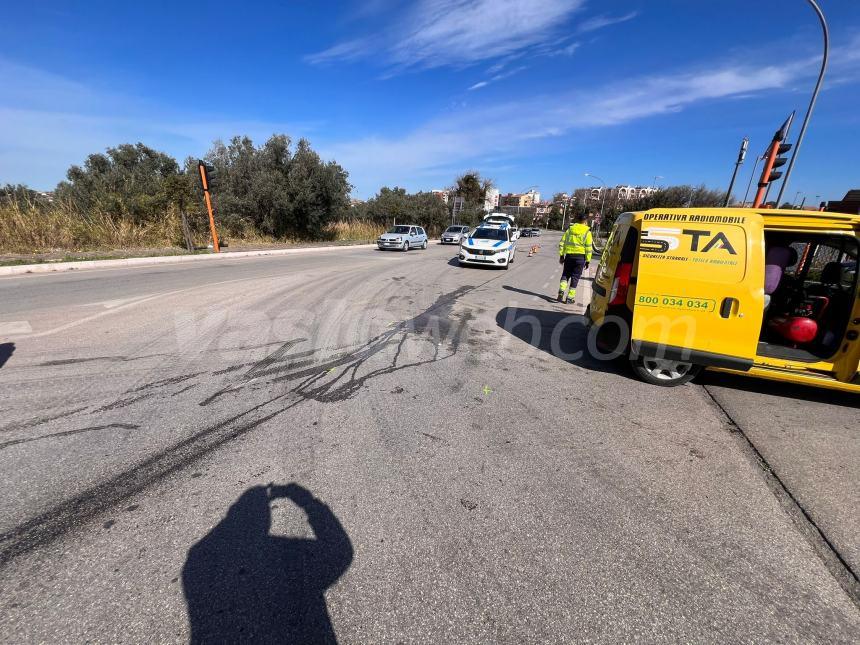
(795,329)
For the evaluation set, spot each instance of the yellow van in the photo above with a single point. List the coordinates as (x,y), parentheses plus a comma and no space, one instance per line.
(766,293)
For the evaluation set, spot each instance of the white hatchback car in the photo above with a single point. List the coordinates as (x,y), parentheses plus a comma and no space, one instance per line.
(403,238)
(454,234)
(490,245)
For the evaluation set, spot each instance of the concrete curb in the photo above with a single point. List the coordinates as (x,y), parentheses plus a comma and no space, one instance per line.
(55,267)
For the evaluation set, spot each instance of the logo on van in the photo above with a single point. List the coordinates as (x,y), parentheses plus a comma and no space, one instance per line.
(663,240)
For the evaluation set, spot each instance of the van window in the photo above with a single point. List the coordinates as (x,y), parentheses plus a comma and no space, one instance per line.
(628,253)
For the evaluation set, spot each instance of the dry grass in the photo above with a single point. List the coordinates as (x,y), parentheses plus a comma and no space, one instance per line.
(354,231)
(30,229)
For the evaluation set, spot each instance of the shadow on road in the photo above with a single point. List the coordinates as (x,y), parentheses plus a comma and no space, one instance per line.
(562,335)
(782,390)
(244,585)
(525,292)
(6,351)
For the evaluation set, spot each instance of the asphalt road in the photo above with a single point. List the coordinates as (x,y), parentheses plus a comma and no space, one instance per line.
(446,465)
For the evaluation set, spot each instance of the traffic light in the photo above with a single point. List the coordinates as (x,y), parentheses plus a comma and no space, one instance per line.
(773,159)
(779,161)
(206,171)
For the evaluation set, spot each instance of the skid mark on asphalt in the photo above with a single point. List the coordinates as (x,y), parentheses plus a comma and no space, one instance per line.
(67,433)
(77,511)
(37,421)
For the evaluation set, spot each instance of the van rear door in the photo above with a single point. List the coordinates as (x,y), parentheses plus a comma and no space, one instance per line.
(699,287)
(605,284)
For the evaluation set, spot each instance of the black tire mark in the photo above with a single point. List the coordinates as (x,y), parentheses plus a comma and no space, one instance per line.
(66,433)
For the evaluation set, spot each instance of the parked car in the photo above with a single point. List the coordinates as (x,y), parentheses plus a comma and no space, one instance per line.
(403,238)
(455,234)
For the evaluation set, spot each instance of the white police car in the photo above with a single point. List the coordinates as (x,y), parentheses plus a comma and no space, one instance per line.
(491,244)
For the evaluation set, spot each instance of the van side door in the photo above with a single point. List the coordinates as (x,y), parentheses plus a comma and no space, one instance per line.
(848,364)
(699,287)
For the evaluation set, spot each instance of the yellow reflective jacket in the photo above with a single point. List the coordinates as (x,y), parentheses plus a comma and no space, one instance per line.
(576,241)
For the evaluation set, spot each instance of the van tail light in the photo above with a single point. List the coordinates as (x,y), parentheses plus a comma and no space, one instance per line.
(618,295)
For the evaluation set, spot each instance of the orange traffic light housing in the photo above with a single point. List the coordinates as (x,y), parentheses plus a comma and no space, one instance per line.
(204,171)
(773,160)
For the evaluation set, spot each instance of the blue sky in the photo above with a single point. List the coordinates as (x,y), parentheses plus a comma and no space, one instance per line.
(529,92)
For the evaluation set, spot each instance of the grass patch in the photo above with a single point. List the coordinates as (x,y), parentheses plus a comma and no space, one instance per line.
(35,233)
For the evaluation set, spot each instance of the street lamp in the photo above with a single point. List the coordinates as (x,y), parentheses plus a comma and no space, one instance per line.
(826,35)
(605,188)
(656,177)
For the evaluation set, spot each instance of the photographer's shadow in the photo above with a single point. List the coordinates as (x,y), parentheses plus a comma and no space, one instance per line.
(244,585)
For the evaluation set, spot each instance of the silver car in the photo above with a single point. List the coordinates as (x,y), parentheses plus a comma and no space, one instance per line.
(455,234)
(403,238)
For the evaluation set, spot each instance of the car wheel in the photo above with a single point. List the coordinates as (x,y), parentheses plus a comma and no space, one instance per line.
(424,246)
(406,245)
(664,372)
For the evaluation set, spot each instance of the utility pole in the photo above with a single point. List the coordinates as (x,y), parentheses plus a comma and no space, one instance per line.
(752,176)
(603,196)
(742,154)
(826,36)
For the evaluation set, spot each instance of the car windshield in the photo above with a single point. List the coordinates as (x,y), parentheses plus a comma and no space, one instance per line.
(489,234)
(453,229)
(400,230)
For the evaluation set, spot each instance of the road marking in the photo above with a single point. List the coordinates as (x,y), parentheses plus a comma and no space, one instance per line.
(15,327)
(110,304)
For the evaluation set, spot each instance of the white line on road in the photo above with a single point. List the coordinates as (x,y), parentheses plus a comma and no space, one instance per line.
(15,327)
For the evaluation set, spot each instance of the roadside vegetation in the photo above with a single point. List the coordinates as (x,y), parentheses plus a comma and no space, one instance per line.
(134,197)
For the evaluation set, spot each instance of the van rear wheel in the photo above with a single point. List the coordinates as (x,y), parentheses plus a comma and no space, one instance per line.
(664,372)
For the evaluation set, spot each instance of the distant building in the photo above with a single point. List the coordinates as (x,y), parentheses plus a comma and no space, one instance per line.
(355,202)
(491,199)
(612,196)
(523,200)
(444,195)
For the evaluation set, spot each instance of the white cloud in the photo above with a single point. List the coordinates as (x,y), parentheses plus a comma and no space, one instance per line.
(438,148)
(438,33)
(599,22)
(498,77)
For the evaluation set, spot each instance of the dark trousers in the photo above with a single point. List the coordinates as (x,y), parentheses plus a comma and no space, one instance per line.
(574,265)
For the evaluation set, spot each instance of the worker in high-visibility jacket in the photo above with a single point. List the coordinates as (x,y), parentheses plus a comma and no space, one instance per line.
(574,252)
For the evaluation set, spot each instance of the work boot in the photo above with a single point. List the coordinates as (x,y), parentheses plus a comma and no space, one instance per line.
(562,291)
(571,296)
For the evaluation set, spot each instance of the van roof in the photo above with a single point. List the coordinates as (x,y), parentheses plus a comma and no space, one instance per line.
(772,216)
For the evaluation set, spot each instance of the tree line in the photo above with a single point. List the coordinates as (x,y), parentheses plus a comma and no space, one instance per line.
(284,190)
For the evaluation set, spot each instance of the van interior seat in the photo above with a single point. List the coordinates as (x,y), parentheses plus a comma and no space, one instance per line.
(839,305)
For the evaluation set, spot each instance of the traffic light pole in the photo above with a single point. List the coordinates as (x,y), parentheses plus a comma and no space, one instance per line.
(826,34)
(204,182)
